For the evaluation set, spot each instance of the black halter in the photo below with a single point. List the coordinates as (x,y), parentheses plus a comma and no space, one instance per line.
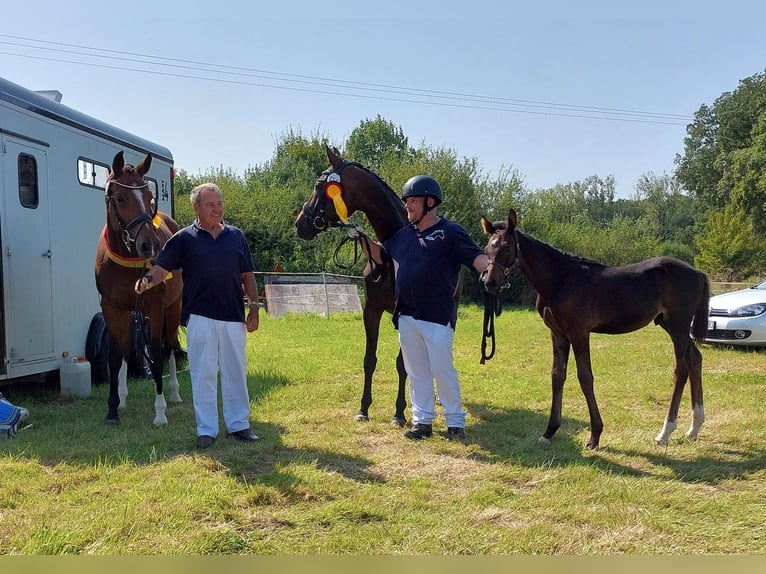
(506,269)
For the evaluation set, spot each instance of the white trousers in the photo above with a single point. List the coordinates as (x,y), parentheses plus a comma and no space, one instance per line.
(212,347)
(427,353)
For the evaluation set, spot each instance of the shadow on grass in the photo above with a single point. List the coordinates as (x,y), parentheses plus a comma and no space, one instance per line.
(512,435)
(72,431)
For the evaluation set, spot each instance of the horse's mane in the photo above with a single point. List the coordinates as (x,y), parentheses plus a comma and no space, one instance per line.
(577,259)
(393,197)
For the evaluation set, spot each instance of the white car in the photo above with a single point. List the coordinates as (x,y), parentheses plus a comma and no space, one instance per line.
(738,318)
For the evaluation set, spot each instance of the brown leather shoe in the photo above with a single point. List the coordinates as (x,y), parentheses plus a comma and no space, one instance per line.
(245,435)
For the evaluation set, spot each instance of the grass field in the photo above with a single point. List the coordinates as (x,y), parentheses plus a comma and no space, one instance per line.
(320,483)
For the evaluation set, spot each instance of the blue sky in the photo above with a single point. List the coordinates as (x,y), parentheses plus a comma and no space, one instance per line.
(519,85)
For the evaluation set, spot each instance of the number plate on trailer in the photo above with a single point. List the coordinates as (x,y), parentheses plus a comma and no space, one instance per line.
(710,325)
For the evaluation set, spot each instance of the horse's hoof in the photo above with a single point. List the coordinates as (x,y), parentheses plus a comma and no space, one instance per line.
(542,441)
(661,440)
(112,422)
(591,446)
(360,418)
(396,421)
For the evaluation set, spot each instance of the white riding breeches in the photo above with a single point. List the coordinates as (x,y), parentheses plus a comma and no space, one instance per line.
(427,353)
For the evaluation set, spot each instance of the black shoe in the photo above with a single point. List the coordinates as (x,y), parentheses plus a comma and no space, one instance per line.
(245,435)
(205,441)
(455,433)
(418,431)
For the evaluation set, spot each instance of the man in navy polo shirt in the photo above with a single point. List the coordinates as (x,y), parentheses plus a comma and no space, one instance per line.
(217,268)
(427,256)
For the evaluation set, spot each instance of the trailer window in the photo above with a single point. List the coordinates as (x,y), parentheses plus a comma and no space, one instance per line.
(95,174)
(28,194)
(91,173)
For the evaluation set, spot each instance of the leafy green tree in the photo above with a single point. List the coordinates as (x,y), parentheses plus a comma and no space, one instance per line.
(665,210)
(374,142)
(714,142)
(746,178)
(497,196)
(728,250)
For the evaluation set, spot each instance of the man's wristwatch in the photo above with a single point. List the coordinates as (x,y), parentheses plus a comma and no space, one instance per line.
(252,304)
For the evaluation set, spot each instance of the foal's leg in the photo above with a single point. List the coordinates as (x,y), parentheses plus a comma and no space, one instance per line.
(680,374)
(581,349)
(694,358)
(371,329)
(558,377)
(401,401)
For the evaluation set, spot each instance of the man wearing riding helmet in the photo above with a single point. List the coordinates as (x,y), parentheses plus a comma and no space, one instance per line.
(427,256)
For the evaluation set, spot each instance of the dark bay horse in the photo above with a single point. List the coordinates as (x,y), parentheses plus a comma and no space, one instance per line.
(577,297)
(132,238)
(364,191)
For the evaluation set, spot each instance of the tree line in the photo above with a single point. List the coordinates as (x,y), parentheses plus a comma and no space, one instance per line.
(709,212)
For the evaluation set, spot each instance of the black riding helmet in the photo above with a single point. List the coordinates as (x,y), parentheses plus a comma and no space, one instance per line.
(422,186)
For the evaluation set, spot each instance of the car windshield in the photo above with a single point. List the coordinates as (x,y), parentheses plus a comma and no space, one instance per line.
(760,286)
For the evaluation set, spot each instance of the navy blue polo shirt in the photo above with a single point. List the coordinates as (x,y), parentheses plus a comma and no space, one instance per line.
(212,271)
(427,266)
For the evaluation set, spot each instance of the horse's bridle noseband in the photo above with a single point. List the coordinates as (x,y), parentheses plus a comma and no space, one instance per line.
(137,222)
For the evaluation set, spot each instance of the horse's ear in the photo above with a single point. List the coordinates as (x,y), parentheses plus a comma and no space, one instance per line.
(513,221)
(143,167)
(486,224)
(117,164)
(334,156)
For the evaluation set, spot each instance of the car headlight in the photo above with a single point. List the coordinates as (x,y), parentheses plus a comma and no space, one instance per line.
(749,310)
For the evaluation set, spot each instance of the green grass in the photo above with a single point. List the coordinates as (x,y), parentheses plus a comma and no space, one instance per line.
(320,483)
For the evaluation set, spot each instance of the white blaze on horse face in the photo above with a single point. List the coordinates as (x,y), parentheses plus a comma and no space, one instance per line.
(140,198)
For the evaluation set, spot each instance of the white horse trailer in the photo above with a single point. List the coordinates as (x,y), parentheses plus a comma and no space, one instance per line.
(54,162)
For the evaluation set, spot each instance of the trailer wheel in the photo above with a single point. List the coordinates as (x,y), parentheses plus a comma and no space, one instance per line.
(97,350)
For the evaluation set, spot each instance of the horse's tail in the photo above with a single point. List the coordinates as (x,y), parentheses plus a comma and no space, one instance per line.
(699,327)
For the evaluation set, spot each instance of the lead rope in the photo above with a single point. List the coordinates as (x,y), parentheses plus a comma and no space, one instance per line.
(357,240)
(142,334)
(492,307)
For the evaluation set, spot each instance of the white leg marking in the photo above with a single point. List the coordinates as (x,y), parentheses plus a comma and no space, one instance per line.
(542,441)
(173,394)
(667,430)
(122,384)
(698,417)
(160,420)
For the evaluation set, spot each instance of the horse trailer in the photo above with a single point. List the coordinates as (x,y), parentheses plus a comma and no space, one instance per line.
(53,167)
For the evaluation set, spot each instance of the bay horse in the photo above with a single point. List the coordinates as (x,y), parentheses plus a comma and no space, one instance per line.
(577,297)
(364,191)
(132,238)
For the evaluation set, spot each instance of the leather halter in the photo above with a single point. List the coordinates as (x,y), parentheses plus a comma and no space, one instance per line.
(137,222)
(506,269)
